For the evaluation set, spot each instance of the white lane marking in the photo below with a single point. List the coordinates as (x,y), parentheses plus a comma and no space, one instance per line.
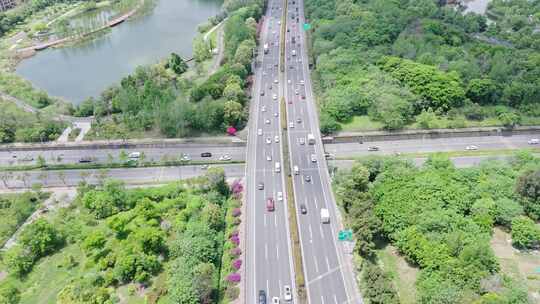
(322,299)
(267,287)
(315,200)
(264,220)
(316,264)
(275,220)
(322,232)
(265,251)
(327,262)
(277,251)
(335,299)
(310,234)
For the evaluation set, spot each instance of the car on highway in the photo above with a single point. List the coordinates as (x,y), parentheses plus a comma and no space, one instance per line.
(134,155)
(296,92)
(262,93)
(373,148)
(303,208)
(274,97)
(299,120)
(225,157)
(276,139)
(260,186)
(302,141)
(206,154)
(185,157)
(471,148)
(303,96)
(329,155)
(296,170)
(267,121)
(275,80)
(269,157)
(533,141)
(204,167)
(288,81)
(275,300)
(276,114)
(302,82)
(85,159)
(270,206)
(313,158)
(262,297)
(263,108)
(280,196)
(259,132)
(307,178)
(268,140)
(291,124)
(287,293)
(290,101)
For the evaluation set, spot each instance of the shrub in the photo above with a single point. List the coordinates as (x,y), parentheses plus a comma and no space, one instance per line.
(235,240)
(236,251)
(236,212)
(232,292)
(234,277)
(237,264)
(525,234)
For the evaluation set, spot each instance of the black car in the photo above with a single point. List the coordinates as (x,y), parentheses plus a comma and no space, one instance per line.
(262,297)
(303,208)
(307,178)
(206,154)
(373,148)
(260,186)
(85,159)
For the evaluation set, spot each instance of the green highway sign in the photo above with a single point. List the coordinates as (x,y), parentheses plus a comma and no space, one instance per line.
(345,235)
(307,26)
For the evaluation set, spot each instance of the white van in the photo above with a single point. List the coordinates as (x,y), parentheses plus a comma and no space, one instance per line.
(296,170)
(278,167)
(134,155)
(280,196)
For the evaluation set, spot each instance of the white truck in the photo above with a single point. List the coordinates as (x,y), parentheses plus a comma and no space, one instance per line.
(311,139)
(265,47)
(278,167)
(325,216)
(294,52)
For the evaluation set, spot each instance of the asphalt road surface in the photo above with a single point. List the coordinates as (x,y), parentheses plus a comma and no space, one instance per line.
(327,269)
(70,156)
(71,178)
(269,264)
(431,145)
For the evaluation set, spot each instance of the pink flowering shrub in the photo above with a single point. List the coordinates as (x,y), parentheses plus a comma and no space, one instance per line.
(234,277)
(237,264)
(236,251)
(236,212)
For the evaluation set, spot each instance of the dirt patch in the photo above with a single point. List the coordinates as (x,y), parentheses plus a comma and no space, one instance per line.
(520,265)
(403,274)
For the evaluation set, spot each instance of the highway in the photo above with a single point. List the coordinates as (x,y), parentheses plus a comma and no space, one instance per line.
(431,145)
(269,262)
(132,176)
(70,156)
(327,269)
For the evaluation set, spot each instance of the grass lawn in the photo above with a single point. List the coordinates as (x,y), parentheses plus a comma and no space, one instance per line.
(402,273)
(520,265)
(361,123)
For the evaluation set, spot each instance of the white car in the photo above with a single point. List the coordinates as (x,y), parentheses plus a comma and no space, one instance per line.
(269,157)
(134,155)
(276,138)
(259,132)
(280,196)
(263,108)
(291,125)
(267,121)
(186,157)
(302,141)
(471,148)
(533,141)
(276,114)
(302,82)
(275,81)
(268,140)
(289,81)
(225,157)
(287,293)
(313,158)
(274,97)
(296,92)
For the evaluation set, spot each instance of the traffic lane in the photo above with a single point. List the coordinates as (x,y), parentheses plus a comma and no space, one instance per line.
(432,145)
(71,178)
(108,155)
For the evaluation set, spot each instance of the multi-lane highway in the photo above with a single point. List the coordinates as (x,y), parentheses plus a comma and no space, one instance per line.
(69,156)
(132,176)
(412,146)
(328,271)
(269,264)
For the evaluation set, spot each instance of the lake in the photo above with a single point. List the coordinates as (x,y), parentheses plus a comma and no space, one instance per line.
(78,72)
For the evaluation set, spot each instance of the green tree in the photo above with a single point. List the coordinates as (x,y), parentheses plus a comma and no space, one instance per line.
(483,91)
(233,114)
(528,187)
(9,293)
(177,64)
(525,233)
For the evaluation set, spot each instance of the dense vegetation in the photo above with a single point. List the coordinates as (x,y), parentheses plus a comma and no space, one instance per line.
(440,219)
(168,239)
(14,210)
(424,63)
(159,97)
(19,126)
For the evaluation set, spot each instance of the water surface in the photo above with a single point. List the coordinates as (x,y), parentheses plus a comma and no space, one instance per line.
(76,73)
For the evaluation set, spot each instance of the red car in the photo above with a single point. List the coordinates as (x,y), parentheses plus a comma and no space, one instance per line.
(290,101)
(303,96)
(270,206)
